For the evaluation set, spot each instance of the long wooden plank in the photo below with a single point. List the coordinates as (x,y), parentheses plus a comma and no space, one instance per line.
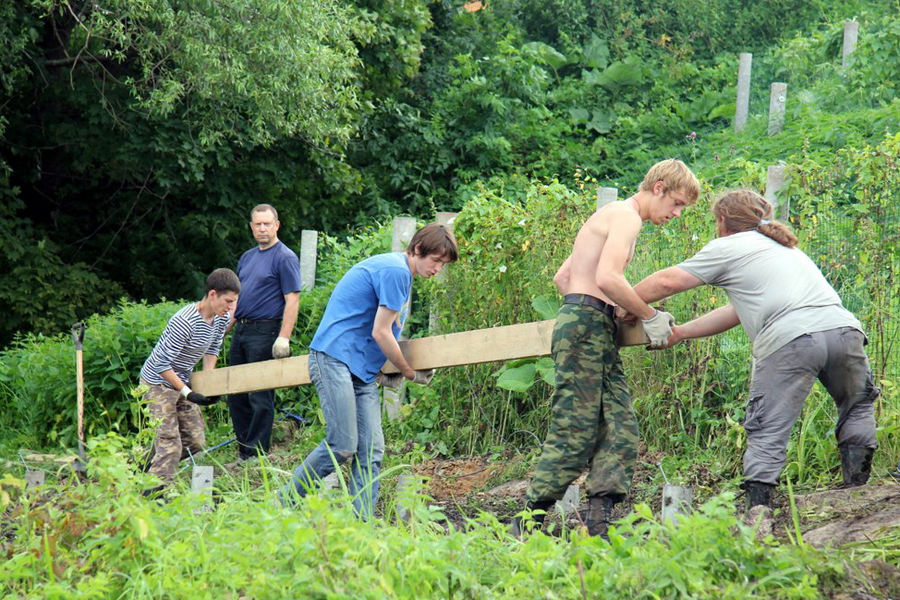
(464,348)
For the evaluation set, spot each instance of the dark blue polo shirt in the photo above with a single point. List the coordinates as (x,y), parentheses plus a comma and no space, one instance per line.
(266,276)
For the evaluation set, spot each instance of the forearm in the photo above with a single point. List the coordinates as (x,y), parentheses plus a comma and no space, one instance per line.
(665,283)
(172,379)
(391,349)
(617,289)
(712,323)
(289,316)
(209,361)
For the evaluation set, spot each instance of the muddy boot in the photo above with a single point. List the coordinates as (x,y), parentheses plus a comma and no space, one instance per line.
(517,526)
(759,507)
(856,464)
(600,509)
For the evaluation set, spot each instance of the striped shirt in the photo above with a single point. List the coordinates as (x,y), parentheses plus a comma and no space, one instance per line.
(185,340)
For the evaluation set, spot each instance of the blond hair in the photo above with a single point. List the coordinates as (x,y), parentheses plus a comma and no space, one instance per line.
(745,210)
(676,177)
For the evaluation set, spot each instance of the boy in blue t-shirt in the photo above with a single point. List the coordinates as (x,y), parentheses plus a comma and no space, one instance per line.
(358,332)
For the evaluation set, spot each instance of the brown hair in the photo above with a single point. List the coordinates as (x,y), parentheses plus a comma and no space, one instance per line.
(264,208)
(745,210)
(434,239)
(675,175)
(223,280)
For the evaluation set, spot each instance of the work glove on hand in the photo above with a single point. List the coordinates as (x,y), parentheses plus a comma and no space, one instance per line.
(281,348)
(423,377)
(659,328)
(198,398)
(392,380)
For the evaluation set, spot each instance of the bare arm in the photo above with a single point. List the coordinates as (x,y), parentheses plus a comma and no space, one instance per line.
(665,283)
(289,316)
(563,276)
(712,323)
(623,231)
(384,337)
(172,379)
(209,362)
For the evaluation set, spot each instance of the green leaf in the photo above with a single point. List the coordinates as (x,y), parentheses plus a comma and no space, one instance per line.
(579,115)
(723,110)
(546,369)
(517,379)
(547,54)
(618,75)
(545,306)
(596,53)
(600,122)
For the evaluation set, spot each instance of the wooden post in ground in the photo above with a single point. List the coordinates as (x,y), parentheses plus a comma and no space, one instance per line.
(308,240)
(404,230)
(851,36)
(775,181)
(742,105)
(777,100)
(605,195)
(444,218)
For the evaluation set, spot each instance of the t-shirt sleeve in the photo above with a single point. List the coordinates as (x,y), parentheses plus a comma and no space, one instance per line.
(215,345)
(289,273)
(392,288)
(709,265)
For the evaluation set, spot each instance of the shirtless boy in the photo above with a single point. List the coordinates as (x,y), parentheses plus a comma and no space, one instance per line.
(592,420)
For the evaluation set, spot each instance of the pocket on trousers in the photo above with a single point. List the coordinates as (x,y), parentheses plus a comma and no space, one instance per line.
(753,416)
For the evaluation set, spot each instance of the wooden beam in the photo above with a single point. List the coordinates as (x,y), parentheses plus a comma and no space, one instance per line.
(464,348)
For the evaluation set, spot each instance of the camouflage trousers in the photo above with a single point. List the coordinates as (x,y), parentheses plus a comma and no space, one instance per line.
(592,421)
(181,428)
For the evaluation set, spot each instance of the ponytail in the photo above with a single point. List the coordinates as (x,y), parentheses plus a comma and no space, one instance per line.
(745,210)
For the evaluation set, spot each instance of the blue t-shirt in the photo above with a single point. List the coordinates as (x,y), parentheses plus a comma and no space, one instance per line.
(345,332)
(266,276)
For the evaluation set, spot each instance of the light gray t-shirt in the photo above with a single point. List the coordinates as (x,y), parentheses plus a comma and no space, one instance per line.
(779,293)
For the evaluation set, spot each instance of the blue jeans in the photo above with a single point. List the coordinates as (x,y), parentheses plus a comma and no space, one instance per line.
(352,431)
(252,414)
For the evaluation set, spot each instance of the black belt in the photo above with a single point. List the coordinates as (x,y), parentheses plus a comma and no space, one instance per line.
(588,300)
(246,321)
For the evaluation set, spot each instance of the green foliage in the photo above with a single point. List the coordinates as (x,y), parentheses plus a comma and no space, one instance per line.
(137,548)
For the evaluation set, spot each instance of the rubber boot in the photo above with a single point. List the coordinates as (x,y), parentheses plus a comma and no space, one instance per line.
(600,510)
(517,526)
(759,507)
(856,464)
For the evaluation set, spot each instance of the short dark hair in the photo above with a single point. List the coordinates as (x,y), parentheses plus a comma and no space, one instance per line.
(223,280)
(264,208)
(434,238)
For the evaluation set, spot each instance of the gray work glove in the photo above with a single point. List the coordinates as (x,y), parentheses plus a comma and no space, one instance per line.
(424,377)
(659,328)
(281,348)
(390,380)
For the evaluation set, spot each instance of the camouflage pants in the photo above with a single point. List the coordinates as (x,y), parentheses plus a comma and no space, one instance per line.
(181,428)
(592,420)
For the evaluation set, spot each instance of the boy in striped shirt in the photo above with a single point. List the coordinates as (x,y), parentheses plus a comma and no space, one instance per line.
(194,332)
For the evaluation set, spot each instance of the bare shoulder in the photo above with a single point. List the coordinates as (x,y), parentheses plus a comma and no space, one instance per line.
(619,214)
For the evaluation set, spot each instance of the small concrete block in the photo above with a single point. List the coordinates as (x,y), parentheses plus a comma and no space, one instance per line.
(569,502)
(33,479)
(676,500)
(331,482)
(202,479)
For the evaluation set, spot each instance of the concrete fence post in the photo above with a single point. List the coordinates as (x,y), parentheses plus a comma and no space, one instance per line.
(851,36)
(775,181)
(404,230)
(308,240)
(742,105)
(777,100)
(605,195)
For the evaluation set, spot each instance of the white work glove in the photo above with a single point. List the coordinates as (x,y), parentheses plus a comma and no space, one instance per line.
(659,328)
(392,380)
(281,348)
(423,377)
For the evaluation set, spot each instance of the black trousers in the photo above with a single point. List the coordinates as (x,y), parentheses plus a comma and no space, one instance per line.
(252,414)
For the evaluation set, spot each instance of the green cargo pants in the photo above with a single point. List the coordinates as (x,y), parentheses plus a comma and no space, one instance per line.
(592,421)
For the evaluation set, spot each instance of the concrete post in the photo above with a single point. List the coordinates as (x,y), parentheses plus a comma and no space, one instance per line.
(569,501)
(33,479)
(444,218)
(851,35)
(777,100)
(775,181)
(676,501)
(605,195)
(742,105)
(308,241)
(404,230)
